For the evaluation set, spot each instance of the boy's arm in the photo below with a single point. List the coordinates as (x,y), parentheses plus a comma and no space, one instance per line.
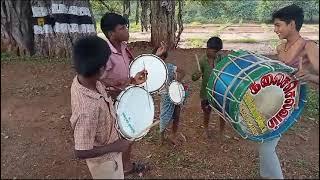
(85,131)
(120,145)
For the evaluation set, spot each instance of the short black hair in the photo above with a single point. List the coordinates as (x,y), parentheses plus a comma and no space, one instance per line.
(89,54)
(215,43)
(164,55)
(289,13)
(109,21)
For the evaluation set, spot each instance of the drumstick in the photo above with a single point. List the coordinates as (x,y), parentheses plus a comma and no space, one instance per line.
(145,76)
(147,128)
(198,62)
(300,70)
(179,92)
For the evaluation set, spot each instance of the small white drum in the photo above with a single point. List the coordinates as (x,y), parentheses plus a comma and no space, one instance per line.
(156,68)
(135,112)
(176,92)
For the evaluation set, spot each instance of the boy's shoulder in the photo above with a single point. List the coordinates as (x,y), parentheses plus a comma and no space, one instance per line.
(82,97)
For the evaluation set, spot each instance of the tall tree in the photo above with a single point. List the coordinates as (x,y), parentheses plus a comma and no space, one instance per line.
(58,24)
(137,11)
(163,25)
(145,5)
(16,27)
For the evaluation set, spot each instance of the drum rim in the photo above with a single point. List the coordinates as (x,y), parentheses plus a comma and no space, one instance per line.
(164,64)
(116,109)
(180,84)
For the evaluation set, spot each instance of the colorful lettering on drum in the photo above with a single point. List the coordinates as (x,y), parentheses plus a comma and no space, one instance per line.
(288,86)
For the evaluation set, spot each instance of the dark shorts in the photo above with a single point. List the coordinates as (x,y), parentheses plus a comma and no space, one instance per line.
(205,106)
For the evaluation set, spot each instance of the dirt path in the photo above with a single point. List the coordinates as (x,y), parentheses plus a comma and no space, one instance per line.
(36,138)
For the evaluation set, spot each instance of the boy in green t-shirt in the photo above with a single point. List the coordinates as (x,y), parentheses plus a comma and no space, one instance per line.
(207,63)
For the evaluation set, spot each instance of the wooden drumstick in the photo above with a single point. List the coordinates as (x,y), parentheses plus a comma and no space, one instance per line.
(198,62)
(300,71)
(145,76)
(199,69)
(146,129)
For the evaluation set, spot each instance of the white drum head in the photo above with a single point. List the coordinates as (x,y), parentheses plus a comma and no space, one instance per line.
(176,92)
(135,112)
(269,100)
(156,68)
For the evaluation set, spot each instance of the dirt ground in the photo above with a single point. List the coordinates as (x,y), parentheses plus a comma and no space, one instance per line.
(37,142)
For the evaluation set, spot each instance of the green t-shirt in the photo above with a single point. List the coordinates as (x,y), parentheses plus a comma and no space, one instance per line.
(206,70)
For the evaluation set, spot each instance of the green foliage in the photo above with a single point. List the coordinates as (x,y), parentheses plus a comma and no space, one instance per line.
(135,27)
(99,9)
(217,11)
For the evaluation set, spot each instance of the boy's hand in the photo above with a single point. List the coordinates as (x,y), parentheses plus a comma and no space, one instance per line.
(162,49)
(140,77)
(304,75)
(196,76)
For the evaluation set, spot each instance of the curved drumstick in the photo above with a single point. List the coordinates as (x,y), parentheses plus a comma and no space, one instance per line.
(146,129)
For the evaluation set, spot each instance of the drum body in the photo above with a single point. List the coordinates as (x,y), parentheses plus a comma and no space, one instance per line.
(176,92)
(135,112)
(156,68)
(260,97)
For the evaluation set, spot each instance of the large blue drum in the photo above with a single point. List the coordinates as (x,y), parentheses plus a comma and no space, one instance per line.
(260,97)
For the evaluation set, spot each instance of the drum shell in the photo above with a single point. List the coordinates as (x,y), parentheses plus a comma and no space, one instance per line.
(230,95)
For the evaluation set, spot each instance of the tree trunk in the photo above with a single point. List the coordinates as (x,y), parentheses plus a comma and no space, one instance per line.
(137,11)
(144,16)
(16,27)
(180,23)
(59,23)
(126,11)
(163,25)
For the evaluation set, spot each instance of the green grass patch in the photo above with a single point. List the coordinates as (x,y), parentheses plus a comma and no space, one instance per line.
(244,40)
(196,42)
(195,23)
(221,28)
(11,58)
(311,109)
